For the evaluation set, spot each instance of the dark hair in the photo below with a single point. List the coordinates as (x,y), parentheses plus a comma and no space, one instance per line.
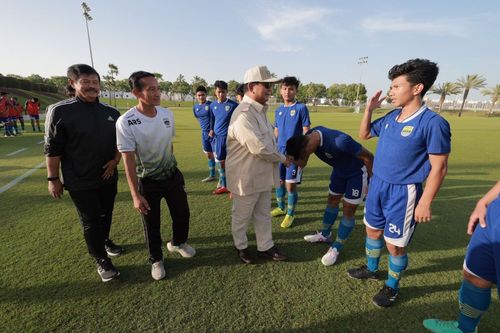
(416,71)
(220,84)
(240,90)
(70,91)
(75,71)
(290,81)
(295,146)
(35,99)
(135,78)
(202,89)
(3,93)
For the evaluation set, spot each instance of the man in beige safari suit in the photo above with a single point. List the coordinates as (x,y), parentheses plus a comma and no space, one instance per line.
(252,166)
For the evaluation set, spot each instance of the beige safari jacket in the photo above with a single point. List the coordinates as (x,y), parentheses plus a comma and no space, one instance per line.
(252,154)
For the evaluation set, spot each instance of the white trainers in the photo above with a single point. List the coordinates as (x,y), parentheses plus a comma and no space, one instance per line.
(185,250)
(318,238)
(330,257)
(158,270)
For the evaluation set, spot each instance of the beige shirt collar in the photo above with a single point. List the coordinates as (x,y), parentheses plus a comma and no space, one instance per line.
(259,107)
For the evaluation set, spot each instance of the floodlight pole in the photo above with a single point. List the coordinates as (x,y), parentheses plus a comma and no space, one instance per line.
(86,10)
(361,61)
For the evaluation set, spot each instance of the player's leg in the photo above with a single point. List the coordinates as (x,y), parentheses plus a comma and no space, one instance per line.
(207,145)
(21,121)
(293,177)
(37,120)
(107,195)
(280,193)
(220,155)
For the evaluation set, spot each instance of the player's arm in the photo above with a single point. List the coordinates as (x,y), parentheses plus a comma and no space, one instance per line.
(276,132)
(365,126)
(140,203)
(479,213)
(109,167)
(439,168)
(53,150)
(55,186)
(367,157)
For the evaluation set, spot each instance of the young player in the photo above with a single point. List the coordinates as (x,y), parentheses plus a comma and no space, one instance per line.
(352,165)
(240,92)
(202,112)
(221,109)
(33,110)
(291,118)
(413,148)
(4,113)
(481,267)
(19,114)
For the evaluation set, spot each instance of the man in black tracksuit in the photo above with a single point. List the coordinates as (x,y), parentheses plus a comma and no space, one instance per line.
(80,137)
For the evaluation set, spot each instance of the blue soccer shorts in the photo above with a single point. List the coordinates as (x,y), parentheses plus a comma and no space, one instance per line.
(482,258)
(353,186)
(391,207)
(207,142)
(35,117)
(220,147)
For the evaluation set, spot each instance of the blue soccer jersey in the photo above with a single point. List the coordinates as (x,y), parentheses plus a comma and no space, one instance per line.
(204,116)
(339,150)
(403,147)
(289,121)
(222,115)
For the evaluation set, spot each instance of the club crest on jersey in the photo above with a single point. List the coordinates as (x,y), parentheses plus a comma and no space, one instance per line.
(207,107)
(166,122)
(228,108)
(279,114)
(407,131)
(292,112)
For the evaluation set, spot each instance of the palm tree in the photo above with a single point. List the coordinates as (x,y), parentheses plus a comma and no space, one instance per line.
(471,81)
(445,89)
(495,95)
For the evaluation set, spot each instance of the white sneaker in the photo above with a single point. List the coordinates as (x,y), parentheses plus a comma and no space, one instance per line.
(185,250)
(330,257)
(318,238)
(158,270)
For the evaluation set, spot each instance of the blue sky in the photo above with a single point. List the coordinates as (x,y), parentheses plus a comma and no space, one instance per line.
(318,41)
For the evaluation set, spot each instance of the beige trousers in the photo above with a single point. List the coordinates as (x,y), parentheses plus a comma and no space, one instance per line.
(256,206)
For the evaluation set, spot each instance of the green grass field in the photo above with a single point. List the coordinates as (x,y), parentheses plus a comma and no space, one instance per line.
(49,283)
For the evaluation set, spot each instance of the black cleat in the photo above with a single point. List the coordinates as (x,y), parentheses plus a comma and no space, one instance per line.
(385,297)
(363,273)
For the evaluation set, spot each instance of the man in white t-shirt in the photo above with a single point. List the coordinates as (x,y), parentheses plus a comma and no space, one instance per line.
(144,137)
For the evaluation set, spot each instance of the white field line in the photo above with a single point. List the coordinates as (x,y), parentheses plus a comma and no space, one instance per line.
(16,152)
(21,178)
(39,143)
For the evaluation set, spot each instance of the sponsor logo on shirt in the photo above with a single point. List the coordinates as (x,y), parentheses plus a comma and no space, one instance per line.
(292,112)
(166,122)
(110,118)
(407,131)
(134,122)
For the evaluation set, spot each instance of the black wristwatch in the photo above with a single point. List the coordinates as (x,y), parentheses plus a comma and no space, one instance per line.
(51,179)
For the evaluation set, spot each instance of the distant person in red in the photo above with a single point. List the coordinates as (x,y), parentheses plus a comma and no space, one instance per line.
(13,115)
(4,114)
(33,110)
(19,113)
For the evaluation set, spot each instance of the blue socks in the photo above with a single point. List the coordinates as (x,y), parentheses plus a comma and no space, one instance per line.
(211,168)
(345,228)
(280,197)
(329,218)
(473,301)
(292,201)
(373,249)
(222,175)
(397,264)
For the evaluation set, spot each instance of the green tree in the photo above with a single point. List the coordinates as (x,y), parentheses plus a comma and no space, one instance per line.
(335,93)
(122,86)
(231,87)
(166,88)
(181,87)
(36,78)
(59,81)
(351,91)
(158,76)
(314,91)
(110,82)
(471,81)
(15,76)
(197,81)
(445,89)
(495,95)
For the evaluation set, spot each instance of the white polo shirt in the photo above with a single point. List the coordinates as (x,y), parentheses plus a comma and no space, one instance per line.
(151,140)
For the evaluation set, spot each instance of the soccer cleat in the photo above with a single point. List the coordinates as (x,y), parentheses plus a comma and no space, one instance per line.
(220,190)
(208,179)
(158,270)
(277,212)
(385,297)
(287,221)
(112,249)
(106,270)
(363,273)
(330,257)
(184,249)
(443,326)
(318,238)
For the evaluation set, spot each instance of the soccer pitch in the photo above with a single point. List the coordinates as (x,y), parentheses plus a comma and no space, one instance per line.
(49,283)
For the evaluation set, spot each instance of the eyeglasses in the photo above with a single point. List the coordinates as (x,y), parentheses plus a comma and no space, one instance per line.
(266,85)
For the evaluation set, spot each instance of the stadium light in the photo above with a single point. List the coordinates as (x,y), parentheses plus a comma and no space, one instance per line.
(361,61)
(86,10)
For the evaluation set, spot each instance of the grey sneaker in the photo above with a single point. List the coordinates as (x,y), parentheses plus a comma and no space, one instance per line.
(112,249)
(158,270)
(183,249)
(106,270)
